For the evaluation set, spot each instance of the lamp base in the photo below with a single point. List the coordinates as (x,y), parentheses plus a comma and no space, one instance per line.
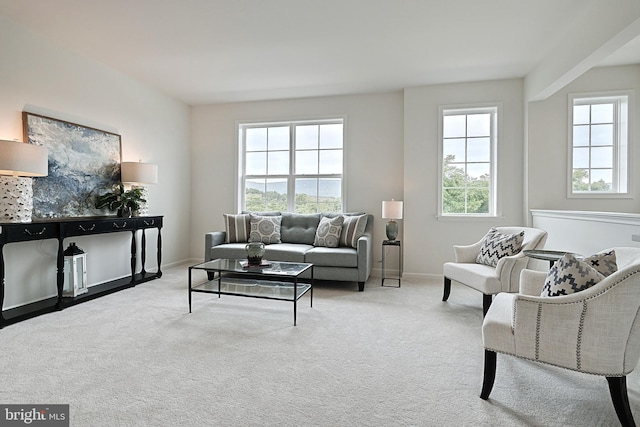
(16,199)
(392,230)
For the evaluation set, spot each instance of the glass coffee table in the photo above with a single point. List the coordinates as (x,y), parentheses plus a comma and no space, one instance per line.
(273,280)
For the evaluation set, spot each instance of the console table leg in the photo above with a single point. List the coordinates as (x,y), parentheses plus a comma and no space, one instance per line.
(143,255)
(133,256)
(159,252)
(60,275)
(1,285)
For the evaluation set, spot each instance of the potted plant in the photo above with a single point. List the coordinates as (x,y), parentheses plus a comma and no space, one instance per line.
(126,203)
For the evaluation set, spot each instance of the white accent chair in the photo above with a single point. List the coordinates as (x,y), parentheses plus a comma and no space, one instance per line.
(595,331)
(504,277)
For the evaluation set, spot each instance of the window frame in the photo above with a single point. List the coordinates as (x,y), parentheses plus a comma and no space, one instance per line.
(291,176)
(622,147)
(495,109)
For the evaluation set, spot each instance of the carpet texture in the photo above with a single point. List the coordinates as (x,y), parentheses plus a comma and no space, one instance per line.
(382,357)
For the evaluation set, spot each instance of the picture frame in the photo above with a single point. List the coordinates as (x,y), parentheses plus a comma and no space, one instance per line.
(84,162)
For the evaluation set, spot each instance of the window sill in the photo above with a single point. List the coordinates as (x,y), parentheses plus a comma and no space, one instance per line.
(478,218)
(599,196)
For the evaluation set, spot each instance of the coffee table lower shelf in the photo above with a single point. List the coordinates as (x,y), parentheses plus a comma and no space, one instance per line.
(253,285)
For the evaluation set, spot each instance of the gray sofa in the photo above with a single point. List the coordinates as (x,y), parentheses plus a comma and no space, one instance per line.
(342,264)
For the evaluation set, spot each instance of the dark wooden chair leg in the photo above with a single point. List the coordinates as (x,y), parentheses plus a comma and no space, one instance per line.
(447,289)
(360,286)
(486,303)
(620,398)
(489,373)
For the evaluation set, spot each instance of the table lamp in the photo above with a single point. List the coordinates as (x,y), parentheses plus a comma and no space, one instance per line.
(392,210)
(18,163)
(137,173)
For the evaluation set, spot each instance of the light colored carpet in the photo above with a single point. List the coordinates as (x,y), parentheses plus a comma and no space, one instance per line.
(382,357)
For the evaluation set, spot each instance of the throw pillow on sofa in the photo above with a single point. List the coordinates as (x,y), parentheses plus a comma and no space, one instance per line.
(496,245)
(237,227)
(328,232)
(352,229)
(604,262)
(265,229)
(569,275)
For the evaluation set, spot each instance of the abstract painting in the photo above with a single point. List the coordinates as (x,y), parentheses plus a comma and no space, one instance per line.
(83,162)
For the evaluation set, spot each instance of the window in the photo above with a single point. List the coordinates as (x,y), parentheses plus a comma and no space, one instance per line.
(294,167)
(469,139)
(598,146)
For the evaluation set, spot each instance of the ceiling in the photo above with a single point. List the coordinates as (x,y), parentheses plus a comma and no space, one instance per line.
(212,51)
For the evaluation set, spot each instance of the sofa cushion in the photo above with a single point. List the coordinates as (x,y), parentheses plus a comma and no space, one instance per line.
(229,250)
(569,275)
(237,228)
(265,229)
(496,245)
(335,257)
(299,228)
(352,229)
(287,252)
(328,232)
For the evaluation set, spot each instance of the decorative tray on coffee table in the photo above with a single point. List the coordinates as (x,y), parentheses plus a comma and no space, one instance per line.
(263,263)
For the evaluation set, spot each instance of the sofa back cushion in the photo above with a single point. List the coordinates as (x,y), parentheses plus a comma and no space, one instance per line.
(299,228)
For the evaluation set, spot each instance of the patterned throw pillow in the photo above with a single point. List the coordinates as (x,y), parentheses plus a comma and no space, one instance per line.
(496,246)
(352,229)
(604,262)
(328,232)
(569,275)
(237,227)
(265,229)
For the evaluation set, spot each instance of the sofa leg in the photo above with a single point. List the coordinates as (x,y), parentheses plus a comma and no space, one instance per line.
(489,373)
(620,398)
(486,303)
(447,289)
(211,275)
(360,286)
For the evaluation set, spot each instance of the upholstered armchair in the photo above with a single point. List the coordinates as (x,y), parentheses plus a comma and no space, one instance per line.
(490,280)
(595,331)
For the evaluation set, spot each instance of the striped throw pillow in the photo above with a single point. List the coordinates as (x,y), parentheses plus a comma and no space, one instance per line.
(237,227)
(352,229)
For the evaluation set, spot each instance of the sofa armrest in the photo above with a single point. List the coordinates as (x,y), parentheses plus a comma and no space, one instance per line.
(508,270)
(532,282)
(365,257)
(365,252)
(467,253)
(211,239)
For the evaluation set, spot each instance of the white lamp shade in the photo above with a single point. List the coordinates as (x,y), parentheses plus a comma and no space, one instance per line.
(21,159)
(392,209)
(138,172)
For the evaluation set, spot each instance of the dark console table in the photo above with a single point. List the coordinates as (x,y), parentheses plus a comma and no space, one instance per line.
(70,227)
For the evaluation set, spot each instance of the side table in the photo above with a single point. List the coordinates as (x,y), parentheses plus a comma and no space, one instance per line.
(546,255)
(397,244)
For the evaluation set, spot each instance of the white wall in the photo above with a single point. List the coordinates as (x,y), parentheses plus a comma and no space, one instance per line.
(588,232)
(548,143)
(374,154)
(429,243)
(45,79)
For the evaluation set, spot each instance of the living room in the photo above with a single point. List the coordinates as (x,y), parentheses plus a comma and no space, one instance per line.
(391,143)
